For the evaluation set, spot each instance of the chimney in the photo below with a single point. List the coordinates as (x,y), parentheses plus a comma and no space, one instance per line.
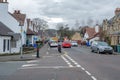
(3,1)
(15,11)
(117,11)
(4,6)
(33,27)
(28,23)
(6,1)
(18,11)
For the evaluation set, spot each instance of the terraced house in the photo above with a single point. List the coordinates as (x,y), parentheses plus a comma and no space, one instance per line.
(111,28)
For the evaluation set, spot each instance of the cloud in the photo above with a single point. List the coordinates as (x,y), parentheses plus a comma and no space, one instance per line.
(68,10)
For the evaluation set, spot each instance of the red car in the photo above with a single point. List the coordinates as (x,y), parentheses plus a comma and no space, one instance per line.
(66,44)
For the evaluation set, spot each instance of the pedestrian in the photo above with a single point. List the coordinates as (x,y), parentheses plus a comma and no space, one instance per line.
(59,47)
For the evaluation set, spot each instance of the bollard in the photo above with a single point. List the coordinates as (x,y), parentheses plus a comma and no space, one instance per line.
(37,46)
(37,55)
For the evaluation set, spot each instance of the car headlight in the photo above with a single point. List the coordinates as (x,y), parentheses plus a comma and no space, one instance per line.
(111,48)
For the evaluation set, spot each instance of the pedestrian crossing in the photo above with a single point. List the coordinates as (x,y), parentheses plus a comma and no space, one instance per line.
(69,63)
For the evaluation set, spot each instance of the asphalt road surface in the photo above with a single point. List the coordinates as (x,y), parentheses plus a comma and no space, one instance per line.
(78,63)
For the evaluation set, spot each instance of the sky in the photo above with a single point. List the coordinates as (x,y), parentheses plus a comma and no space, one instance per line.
(71,12)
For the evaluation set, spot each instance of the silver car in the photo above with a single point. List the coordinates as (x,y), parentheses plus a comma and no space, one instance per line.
(101,47)
(74,43)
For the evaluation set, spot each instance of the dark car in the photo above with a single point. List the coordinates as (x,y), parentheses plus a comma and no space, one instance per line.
(101,47)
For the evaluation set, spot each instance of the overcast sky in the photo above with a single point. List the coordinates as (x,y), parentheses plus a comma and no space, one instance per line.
(67,11)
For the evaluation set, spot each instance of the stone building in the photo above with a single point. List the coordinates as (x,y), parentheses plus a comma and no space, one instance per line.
(111,28)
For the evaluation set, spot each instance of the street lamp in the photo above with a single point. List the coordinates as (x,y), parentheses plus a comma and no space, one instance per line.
(21,49)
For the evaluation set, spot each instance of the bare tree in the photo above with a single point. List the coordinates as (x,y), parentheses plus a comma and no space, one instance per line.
(89,22)
(77,24)
(41,24)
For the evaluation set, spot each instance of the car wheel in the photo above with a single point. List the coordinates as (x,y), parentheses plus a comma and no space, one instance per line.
(92,50)
(111,53)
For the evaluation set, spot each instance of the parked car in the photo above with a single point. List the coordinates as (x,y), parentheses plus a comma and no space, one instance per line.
(74,43)
(53,43)
(66,44)
(101,47)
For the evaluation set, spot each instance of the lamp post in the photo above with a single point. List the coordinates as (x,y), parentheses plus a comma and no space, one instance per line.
(21,49)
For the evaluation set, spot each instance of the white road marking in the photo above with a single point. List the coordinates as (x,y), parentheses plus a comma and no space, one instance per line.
(32,61)
(83,68)
(29,65)
(88,73)
(47,52)
(77,65)
(69,64)
(33,55)
(47,67)
(93,78)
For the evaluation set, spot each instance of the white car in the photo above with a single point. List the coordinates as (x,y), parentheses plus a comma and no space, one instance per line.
(53,44)
(74,43)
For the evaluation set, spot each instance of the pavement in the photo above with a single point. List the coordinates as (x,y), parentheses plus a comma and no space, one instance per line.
(25,57)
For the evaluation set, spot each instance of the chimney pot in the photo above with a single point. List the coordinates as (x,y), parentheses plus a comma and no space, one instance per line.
(15,12)
(18,12)
(117,11)
(1,1)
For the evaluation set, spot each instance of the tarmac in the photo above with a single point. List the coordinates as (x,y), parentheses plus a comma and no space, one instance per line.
(24,57)
(32,55)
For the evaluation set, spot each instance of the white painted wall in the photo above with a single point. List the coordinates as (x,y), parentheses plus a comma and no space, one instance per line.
(96,28)
(7,19)
(17,49)
(86,36)
(94,39)
(1,44)
(24,31)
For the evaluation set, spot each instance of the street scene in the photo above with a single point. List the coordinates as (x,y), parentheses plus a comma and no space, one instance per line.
(76,63)
(59,40)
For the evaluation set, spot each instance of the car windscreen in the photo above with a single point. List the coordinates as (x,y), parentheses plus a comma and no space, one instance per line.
(102,43)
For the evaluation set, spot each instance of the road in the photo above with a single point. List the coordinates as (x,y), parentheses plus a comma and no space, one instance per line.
(101,66)
(78,63)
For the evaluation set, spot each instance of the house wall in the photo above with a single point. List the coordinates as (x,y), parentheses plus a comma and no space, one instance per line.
(11,22)
(85,36)
(96,28)
(17,48)
(29,38)
(4,49)
(7,19)
(94,39)
(24,36)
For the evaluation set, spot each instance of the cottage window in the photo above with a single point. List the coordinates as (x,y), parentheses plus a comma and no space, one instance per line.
(8,47)
(4,45)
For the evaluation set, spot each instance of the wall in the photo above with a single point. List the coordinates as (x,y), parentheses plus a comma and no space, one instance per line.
(17,49)
(7,19)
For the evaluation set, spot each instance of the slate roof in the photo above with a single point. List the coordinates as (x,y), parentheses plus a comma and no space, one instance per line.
(4,30)
(90,31)
(30,32)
